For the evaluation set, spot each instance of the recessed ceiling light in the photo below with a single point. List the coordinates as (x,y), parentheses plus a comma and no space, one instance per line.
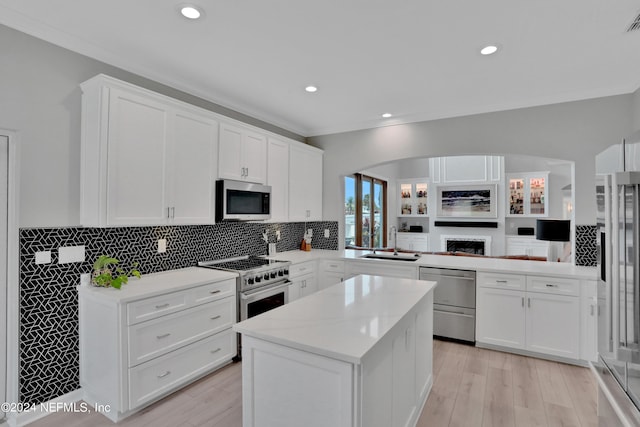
(489,50)
(311,89)
(386,115)
(190,11)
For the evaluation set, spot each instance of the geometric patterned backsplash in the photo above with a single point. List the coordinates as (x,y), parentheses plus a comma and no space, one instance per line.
(586,245)
(48,333)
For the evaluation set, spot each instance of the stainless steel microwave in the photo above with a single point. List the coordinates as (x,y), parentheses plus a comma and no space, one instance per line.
(242,201)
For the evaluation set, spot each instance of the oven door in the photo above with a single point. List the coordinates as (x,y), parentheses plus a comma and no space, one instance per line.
(262,300)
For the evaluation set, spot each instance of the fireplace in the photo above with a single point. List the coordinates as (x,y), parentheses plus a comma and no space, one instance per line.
(479,245)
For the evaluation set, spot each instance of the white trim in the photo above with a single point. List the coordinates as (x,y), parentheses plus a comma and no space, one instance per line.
(444,238)
(41,410)
(13,289)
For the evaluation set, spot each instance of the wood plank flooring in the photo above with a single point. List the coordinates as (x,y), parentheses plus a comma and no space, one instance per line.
(472,387)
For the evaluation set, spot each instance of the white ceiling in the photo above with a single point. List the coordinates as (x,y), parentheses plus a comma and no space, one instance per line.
(418,59)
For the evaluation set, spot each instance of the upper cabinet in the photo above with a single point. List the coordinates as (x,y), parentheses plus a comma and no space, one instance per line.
(146,159)
(527,194)
(413,198)
(278,178)
(242,154)
(305,183)
(465,169)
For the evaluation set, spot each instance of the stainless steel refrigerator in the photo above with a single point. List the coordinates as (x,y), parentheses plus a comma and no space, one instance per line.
(618,235)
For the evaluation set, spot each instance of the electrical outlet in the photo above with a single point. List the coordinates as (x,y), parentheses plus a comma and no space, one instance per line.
(327,234)
(162,246)
(85,279)
(310,232)
(278,235)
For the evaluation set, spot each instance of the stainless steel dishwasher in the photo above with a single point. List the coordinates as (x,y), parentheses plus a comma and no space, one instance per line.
(454,303)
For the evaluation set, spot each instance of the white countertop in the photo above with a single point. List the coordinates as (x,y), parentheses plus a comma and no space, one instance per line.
(159,283)
(494,265)
(343,321)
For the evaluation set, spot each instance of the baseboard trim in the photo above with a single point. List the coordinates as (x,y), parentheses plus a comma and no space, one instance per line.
(67,402)
(560,359)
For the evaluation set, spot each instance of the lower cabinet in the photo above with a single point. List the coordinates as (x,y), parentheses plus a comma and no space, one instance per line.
(303,280)
(589,322)
(417,242)
(139,344)
(542,317)
(331,272)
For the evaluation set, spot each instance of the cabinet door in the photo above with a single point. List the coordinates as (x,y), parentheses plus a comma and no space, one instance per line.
(404,241)
(136,172)
(254,157)
(404,378)
(230,153)
(330,278)
(553,324)
(194,169)
(305,185)
(309,285)
(589,323)
(295,290)
(278,179)
(500,317)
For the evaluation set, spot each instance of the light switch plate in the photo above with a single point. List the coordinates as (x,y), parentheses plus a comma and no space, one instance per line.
(162,246)
(43,257)
(68,254)
(327,234)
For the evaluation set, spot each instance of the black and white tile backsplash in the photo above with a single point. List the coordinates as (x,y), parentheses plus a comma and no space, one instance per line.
(48,335)
(586,245)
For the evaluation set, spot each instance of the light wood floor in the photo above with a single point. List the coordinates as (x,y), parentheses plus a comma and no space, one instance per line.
(472,387)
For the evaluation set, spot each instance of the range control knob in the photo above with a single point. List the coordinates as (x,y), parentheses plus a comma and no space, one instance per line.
(258,279)
(286,271)
(273,274)
(280,273)
(266,276)
(250,281)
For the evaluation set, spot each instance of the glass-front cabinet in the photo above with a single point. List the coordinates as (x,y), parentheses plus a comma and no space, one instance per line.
(527,194)
(412,198)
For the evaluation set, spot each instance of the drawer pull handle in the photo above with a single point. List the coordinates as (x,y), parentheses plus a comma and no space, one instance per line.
(216,350)
(158,307)
(162,336)
(215,317)
(501,281)
(549,285)
(217,291)
(164,375)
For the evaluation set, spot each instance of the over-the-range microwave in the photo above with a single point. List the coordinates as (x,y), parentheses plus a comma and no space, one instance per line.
(242,201)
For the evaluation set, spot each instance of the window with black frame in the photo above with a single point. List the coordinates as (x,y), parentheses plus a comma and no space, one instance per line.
(365,207)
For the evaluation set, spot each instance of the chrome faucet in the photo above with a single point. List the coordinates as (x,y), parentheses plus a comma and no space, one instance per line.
(394,230)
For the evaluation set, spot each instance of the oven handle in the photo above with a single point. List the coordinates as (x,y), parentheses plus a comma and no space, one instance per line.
(259,292)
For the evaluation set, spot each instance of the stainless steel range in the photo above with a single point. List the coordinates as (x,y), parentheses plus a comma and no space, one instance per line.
(262,284)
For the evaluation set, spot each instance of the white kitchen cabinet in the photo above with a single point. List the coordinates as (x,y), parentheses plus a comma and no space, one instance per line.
(526,245)
(303,280)
(146,159)
(305,183)
(278,178)
(589,321)
(527,194)
(465,169)
(413,198)
(417,242)
(242,155)
(534,313)
(154,336)
(331,272)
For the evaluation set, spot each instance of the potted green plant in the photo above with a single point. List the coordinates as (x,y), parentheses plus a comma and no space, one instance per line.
(107,273)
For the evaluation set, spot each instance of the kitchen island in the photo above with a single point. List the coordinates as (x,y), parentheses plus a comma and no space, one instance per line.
(355,354)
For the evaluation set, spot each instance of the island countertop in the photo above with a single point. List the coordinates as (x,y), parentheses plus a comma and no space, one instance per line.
(343,321)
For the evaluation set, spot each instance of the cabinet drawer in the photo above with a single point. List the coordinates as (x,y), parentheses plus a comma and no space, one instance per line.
(337,266)
(159,336)
(150,308)
(161,375)
(501,280)
(214,291)
(302,268)
(553,285)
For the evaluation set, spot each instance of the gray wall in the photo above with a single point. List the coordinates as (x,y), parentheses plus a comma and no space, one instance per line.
(41,101)
(636,110)
(574,131)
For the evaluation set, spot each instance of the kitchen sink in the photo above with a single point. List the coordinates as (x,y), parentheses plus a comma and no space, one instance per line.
(393,257)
